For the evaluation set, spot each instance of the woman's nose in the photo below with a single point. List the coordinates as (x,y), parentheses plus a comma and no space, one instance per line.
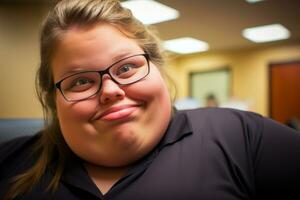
(110,91)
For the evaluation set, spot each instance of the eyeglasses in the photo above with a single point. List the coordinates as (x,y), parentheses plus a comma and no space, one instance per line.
(83,85)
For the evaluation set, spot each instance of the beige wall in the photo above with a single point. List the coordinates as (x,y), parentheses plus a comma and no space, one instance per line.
(249,71)
(19,28)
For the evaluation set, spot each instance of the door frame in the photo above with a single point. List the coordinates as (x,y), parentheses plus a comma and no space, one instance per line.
(272,65)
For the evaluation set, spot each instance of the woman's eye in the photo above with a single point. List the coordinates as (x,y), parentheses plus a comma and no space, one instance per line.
(81,84)
(125,69)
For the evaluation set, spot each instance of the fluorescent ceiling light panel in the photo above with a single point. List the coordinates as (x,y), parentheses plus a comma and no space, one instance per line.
(185,45)
(253,1)
(266,33)
(150,12)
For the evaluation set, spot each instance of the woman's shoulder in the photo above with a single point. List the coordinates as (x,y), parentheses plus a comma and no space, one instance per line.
(220,121)
(16,147)
(221,114)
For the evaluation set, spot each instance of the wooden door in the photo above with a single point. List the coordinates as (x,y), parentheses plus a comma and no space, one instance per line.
(285,91)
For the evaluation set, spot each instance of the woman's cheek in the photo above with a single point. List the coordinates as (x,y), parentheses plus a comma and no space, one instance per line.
(78,111)
(151,87)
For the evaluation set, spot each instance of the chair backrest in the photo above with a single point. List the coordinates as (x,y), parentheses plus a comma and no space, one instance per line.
(12,128)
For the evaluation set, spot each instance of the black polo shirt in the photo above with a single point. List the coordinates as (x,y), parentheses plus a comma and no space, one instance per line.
(217,154)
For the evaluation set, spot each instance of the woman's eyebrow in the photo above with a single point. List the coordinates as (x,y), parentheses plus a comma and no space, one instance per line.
(73,69)
(121,56)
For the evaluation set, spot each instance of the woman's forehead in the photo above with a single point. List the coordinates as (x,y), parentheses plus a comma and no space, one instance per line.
(103,37)
(97,46)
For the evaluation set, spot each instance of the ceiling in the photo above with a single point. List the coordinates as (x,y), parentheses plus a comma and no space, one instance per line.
(220,22)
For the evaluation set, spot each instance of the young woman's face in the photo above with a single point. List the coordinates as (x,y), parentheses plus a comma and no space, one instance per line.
(121,123)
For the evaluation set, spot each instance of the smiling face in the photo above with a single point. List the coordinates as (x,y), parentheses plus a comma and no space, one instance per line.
(119,124)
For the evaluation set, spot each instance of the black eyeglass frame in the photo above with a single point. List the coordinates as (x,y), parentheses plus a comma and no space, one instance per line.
(101,73)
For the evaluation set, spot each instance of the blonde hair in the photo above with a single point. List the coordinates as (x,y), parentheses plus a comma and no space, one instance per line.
(64,15)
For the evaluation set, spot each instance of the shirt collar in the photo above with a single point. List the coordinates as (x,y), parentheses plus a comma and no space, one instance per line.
(76,175)
(179,127)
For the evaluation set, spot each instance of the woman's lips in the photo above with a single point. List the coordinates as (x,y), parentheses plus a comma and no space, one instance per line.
(118,112)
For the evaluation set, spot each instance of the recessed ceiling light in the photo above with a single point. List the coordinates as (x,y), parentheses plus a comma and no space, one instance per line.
(185,45)
(253,1)
(266,33)
(150,12)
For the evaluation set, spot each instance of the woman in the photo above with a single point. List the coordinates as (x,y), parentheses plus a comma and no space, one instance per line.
(110,132)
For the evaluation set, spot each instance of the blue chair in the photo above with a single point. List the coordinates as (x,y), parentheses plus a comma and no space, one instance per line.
(12,128)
